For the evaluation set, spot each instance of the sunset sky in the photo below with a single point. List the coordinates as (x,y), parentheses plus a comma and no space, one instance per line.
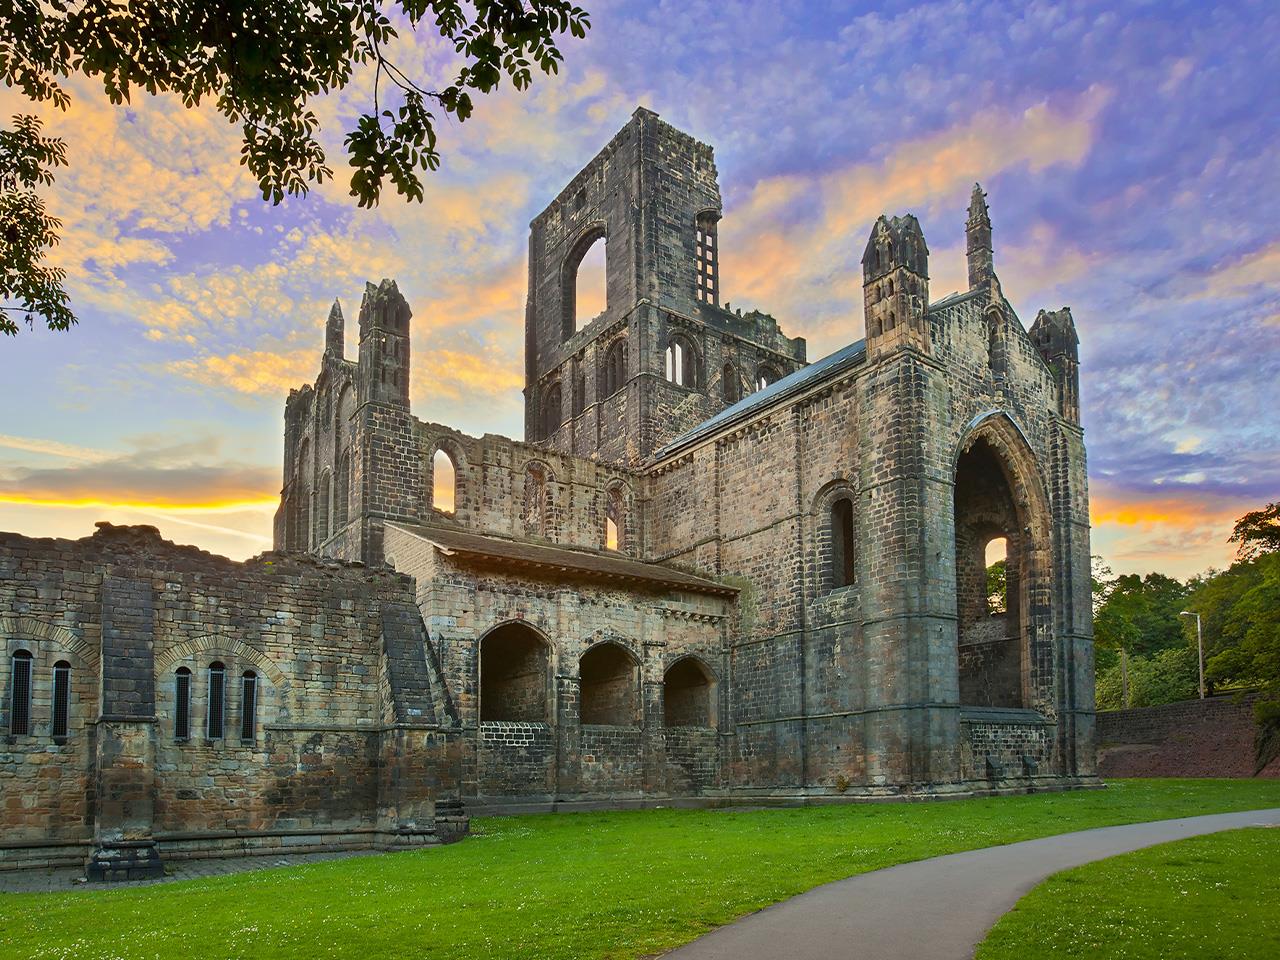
(1130,152)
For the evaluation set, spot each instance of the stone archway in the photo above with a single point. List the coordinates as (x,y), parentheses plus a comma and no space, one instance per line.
(999,495)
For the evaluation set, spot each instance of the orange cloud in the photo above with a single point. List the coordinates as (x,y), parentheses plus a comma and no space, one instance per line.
(260,372)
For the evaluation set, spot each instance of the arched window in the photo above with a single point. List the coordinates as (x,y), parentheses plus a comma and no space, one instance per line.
(552,414)
(614,522)
(583,281)
(615,367)
(249,706)
(891,286)
(842,545)
(729,384)
(215,719)
(342,491)
(20,694)
(444,482)
(765,376)
(513,675)
(608,680)
(322,509)
(996,552)
(686,695)
(889,323)
(182,704)
(61,699)
(681,362)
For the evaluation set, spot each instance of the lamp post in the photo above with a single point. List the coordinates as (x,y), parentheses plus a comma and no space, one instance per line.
(1199,647)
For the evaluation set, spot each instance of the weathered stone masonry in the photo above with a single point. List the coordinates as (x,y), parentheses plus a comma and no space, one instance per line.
(712,571)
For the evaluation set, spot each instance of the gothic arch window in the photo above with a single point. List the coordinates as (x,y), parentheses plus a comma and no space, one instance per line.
(609,677)
(61,699)
(342,491)
(216,714)
(843,554)
(706,259)
(579,402)
(20,693)
(729,384)
(615,521)
(889,322)
(766,375)
(322,509)
(615,367)
(583,284)
(681,361)
(552,411)
(686,695)
(444,481)
(182,704)
(249,706)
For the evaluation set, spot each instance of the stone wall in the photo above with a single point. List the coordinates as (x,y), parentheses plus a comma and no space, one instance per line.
(1213,737)
(129,612)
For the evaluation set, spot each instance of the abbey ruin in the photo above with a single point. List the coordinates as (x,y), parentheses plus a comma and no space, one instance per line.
(712,572)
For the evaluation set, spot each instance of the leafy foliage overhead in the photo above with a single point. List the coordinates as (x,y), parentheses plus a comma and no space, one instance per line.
(261,64)
(1257,532)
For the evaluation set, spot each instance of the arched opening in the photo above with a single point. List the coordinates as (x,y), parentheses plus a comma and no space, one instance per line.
(584,285)
(842,545)
(615,367)
(608,677)
(444,481)
(552,411)
(513,675)
(765,376)
(61,699)
(681,362)
(614,521)
(730,385)
(20,694)
(182,704)
(215,719)
(322,509)
(686,695)
(993,555)
(342,491)
(249,706)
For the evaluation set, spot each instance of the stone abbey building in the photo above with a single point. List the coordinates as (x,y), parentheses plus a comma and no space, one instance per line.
(713,572)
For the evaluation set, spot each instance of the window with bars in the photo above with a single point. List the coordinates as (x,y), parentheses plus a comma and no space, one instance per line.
(216,719)
(182,704)
(61,699)
(249,706)
(706,261)
(20,694)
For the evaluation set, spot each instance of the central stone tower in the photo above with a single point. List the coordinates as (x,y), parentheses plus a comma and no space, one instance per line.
(663,355)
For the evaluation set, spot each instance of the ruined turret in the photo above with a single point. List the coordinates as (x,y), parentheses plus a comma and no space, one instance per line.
(895,285)
(1054,334)
(977,234)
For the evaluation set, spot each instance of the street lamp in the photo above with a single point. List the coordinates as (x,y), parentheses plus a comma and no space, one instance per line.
(1199,647)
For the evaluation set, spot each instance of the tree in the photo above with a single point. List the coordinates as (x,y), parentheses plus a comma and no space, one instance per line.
(997,588)
(261,64)
(1257,532)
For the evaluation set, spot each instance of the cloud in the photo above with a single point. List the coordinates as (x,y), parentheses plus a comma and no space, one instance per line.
(257,372)
(803,233)
(53,448)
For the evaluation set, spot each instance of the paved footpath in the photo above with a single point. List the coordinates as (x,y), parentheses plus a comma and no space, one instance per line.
(937,909)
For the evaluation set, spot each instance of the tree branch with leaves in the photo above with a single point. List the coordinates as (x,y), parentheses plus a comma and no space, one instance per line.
(261,64)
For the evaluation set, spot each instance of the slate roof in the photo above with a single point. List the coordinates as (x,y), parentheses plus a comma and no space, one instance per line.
(791,384)
(590,564)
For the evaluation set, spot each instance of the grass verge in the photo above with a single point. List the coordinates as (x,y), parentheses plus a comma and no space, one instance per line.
(1208,897)
(590,885)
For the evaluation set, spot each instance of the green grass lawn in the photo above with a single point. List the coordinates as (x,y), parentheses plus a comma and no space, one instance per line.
(1216,896)
(585,885)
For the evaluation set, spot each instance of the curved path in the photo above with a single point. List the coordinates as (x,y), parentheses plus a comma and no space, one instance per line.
(938,909)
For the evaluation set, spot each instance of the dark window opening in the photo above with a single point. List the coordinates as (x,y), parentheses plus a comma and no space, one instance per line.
(729,383)
(686,695)
(20,694)
(61,699)
(681,362)
(249,706)
(615,367)
(842,544)
(182,704)
(552,413)
(608,679)
(342,491)
(217,701)
(513,675)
